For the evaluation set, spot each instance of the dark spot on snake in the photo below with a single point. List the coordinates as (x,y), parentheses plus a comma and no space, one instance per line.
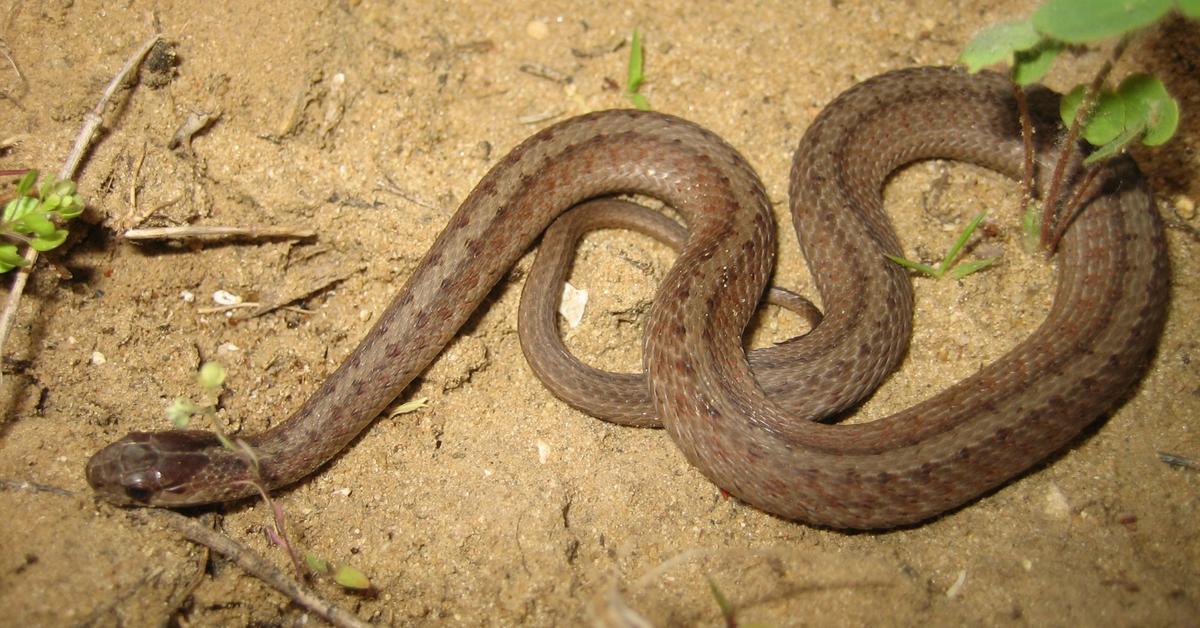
(486,187)
(883,477)
(925,471)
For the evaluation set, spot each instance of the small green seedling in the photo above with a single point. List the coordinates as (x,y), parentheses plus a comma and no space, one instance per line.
(344,575)
(211,379)
(947,267)
(34,217)
(635,75)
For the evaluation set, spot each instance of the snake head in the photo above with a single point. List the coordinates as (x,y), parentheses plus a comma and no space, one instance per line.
(152,468)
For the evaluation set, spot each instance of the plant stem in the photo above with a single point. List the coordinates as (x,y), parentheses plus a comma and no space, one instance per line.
(1075,205)
(1027,141)
(1050,214)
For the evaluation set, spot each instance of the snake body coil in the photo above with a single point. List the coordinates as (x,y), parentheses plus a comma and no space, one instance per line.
(1098,339)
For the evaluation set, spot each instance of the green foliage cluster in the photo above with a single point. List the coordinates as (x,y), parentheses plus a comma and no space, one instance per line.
(34,217)
(1139,108)
(1110,119)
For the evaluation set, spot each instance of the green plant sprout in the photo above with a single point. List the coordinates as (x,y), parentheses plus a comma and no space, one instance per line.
(635,74)
(33,217)
(211,379)
(1111,120)
(947,266)
(346,576)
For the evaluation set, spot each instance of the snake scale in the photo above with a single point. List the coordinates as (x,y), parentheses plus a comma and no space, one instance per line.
(758,442)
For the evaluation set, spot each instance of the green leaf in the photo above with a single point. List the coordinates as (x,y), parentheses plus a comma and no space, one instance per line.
(998,43)
(44,243)
(351,578)
(1116,145)
(65,187)
(1083,21)
(968,268)
(1031,228)
(316,563)
(635,76)
(1190,8)
(952,254)
(639,101)
(36,223)
(10,258)
(18,208)
(27,182)
(1033,64)
(1107,120)
(924,269)
(1148,103)
(72,207)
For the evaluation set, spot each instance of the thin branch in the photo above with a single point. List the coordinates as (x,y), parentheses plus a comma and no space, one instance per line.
(93,119)
(34,487)
(243,556)
(87,134)
(200,231)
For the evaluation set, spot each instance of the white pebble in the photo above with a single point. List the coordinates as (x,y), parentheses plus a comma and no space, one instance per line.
(224,297)
(574,301)
(1056,505)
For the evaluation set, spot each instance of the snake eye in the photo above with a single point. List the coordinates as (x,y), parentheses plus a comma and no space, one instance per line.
(136,494)
(140,486)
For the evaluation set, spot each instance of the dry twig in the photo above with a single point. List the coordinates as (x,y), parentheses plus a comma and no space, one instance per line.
(201,231)
(254,565)
(244,557)
(87,134)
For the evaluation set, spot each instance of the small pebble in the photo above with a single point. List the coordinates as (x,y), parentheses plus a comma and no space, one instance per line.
(1057,506)
(98,358)
(187,296)
(956,589)
(537,29)
(224,297)
(1185,207)
(543,450)
(574,301)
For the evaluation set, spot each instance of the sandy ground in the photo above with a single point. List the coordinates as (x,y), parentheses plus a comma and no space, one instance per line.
(369,121)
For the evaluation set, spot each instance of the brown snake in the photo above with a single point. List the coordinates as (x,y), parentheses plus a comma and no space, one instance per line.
(1108,312)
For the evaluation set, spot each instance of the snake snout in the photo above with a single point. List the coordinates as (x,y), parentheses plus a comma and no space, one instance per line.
(148,468)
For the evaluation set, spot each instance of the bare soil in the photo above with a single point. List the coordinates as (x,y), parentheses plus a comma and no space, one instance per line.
(368,121)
